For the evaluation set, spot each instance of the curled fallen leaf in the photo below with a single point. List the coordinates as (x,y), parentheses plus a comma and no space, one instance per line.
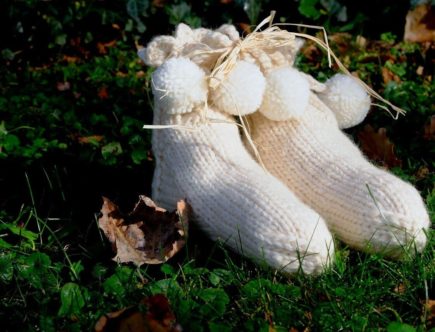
(377,146)
(121,74)
(430,314)
(63,86)
(93,139)
(422,172)
(361,41)
(140,74)
(159,3)
(157,317)
(103,93)
(102,47)
(420,24)
(429,129)
(311,52)
(148,234)
(293,329)
(70,59)
(342,41)
(246,28)
(388,76)
(400,288)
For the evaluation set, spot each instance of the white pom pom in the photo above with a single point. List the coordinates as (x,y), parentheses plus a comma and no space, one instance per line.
(287,93)
(179,85)
(241,91)
(347,99)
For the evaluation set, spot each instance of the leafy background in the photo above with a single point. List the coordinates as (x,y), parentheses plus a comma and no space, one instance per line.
(74,97)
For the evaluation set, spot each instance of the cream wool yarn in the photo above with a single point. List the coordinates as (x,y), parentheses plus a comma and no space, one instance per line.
(286,95)
(299,141)
(366,207)
(347,99)
(201,157)
(179,86)
(241,92)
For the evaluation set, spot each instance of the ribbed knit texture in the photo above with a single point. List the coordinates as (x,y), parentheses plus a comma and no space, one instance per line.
(201,156)
(232,197)
(328,172)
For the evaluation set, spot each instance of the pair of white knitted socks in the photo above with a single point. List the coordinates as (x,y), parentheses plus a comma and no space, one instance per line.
(312,180)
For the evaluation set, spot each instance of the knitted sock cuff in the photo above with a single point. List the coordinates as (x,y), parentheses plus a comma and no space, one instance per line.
(190,72)
(202,46)
(205,46)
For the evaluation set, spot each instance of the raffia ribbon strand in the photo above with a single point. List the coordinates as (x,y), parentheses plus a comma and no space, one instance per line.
(273,38)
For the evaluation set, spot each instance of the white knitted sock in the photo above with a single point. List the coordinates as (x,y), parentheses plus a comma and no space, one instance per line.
(366,207)
(299,140)
(201,157)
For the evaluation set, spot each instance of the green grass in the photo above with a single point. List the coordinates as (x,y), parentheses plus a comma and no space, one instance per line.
(51,282)
(56,272)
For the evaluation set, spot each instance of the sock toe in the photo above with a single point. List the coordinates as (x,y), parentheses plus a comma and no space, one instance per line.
(365,206)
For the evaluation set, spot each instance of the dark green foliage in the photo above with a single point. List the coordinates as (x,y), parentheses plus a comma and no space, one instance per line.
(225,292)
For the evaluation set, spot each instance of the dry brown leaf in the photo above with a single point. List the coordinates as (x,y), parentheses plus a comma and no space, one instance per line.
(429,129)
(103,93)
(341,40)
(158,317)
(420,24)
(422,172)
(361,41)
(76,44)
(246,28)
(388,76)
(102,47)
(159,3)
(63,86)
(400,288)
(140,74)
(148,234)
(90,139)
(311,52)
(70,59)
(429,308)
(308,315)
(121,74)
(378,147)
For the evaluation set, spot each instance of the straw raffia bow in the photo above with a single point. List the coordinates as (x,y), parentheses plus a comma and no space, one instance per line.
(218,51)
(266,47)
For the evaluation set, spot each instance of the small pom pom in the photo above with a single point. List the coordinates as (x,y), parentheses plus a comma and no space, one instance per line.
(241,91)
(347,99)
(286,96)
(179,85)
